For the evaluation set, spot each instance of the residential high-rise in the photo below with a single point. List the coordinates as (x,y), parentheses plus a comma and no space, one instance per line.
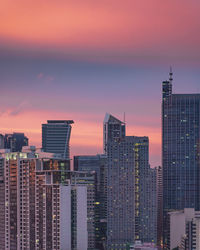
(15,141)
(29,180)
(180,151)
(121,193)
(97,164)
(159,204)
(43,205)
(56,137)
(145,192)
(152,207)
(131,195)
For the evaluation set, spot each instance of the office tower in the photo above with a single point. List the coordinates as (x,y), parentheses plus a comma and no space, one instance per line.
(112,129)
(42,205)
(97,164)
(184,229)
(180,151)
(15,141)
(1,141)
(159,204)
(56,136)
(129,190)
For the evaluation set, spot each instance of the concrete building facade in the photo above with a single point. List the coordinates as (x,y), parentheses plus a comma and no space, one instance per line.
(41,204)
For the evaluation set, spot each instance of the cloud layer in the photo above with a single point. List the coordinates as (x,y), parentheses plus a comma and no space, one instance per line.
(79,59)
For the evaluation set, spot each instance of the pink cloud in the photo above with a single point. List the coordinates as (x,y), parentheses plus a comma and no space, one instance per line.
(130,29)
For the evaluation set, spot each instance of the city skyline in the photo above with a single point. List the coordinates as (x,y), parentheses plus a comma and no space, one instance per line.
(65,65)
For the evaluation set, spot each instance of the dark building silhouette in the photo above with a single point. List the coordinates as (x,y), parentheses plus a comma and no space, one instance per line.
(15,141)
(1,141)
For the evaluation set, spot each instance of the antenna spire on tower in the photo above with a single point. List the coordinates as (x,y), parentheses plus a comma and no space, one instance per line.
(170,74)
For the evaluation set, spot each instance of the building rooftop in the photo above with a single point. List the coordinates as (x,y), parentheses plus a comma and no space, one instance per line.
(60,121)
(111,118)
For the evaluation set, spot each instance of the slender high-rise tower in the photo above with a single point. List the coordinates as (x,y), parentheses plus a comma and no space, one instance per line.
(56,136)
(180,151)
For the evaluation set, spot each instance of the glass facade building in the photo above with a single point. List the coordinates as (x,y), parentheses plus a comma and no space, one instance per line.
(180,151)
(131,187)
(56,136)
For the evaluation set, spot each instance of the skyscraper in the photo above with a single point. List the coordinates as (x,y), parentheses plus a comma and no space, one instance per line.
(31,187)
(130,208)
(180,151)
(15,141)
(121,193)
(56,136)
(145,192)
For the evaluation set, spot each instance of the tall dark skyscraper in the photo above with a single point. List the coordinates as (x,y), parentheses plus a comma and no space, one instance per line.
(180,150)
(15,141)
(56,136)
(131,205)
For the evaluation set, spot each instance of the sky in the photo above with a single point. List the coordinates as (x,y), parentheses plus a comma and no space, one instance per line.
(74,59)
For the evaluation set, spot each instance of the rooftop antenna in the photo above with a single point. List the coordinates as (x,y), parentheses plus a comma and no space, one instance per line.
(170,74)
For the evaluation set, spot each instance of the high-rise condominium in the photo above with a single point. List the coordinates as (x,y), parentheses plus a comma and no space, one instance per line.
(56,136)
(180,151)
(30,196)
(129,207)
(159,188)
(43,205)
